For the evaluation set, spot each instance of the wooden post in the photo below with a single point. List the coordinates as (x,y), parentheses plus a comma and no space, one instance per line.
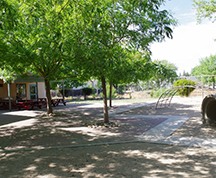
(37,90)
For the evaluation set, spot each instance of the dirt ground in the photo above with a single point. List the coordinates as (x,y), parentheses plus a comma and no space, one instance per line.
(72,143)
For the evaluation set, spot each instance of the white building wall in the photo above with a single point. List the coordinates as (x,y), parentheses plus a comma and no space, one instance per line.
(41,90)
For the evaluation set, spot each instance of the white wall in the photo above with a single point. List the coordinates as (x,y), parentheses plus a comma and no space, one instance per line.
(41,90)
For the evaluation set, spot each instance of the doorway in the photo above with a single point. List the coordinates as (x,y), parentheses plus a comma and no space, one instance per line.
(33,91)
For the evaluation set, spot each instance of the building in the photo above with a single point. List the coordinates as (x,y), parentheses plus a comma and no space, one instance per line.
(29,88)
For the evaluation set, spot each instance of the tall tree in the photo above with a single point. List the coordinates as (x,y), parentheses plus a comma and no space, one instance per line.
(89,33)
(39,38)
(131,67)
(112,26)
(206,9)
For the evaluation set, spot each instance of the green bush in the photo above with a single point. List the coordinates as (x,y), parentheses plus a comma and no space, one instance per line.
(185,86)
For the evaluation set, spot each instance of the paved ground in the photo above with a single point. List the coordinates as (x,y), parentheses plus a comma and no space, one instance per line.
(160,124)
(164,142)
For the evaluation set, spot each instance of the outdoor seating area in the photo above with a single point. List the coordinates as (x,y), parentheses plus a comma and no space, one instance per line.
(4,103)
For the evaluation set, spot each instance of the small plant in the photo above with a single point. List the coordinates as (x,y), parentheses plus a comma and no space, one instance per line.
(185,86)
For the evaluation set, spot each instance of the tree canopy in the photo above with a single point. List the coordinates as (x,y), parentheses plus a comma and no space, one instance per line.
(206,69)
(206,9)
(88,38)
(114,26)
(207,66)
(164,73)
(39,38)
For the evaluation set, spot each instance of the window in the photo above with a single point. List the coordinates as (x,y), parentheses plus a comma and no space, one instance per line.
(21,90)
(33,91)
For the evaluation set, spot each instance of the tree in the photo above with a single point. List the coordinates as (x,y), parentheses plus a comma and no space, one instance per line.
(164,73)
(39,38)
(129,68)
(88,36)
(205,9)
(206,69)
(111,27)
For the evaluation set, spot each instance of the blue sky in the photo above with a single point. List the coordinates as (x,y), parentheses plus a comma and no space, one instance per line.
(183,10)
(191,41)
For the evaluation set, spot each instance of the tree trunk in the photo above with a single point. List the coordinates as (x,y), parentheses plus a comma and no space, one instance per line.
(48,96)
(9,96)
(105,109)
(213,81)
(85,97)
(110,95)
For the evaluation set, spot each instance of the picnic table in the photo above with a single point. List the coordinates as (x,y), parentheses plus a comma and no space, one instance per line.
(56,101)
(4,103)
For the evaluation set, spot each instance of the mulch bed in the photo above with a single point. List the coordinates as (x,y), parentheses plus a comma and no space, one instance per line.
(137,126)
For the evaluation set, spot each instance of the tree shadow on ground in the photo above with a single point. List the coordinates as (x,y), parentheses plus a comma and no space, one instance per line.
(76,125)
(116,160)
(64,146)
(175,109)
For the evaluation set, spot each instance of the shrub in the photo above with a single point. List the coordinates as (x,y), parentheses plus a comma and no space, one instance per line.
(185,86)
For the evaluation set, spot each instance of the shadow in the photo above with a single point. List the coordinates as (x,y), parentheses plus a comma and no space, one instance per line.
(116,160)
(68,145)
(75,125)
(16,116)
(7,117)
(175,109)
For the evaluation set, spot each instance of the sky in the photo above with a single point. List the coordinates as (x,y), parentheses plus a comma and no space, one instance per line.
(192,41)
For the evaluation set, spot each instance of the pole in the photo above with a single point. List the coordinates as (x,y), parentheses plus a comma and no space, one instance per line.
(9,96)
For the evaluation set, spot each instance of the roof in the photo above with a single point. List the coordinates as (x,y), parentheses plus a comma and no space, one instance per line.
(29,79)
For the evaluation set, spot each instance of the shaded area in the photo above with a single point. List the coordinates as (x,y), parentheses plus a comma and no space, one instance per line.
(16,116)
(72,128)
(79,150)
(7,119)
(194,128)
(137,125)
(176,109)
(119,160)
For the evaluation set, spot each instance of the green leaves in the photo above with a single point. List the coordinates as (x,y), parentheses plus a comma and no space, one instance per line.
(205,9)
(164,73)
(85,38)
(207,66)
